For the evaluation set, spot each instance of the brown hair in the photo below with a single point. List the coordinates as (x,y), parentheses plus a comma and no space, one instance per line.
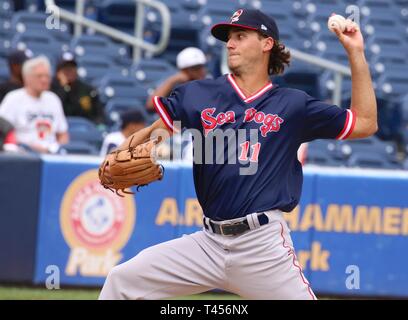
(279,57)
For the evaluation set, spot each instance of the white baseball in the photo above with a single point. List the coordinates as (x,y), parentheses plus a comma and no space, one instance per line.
(337,21)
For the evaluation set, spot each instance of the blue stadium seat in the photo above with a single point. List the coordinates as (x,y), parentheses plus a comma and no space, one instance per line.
(216,11)
(327,85)
(305,80)
(377,5)
(298,9)
(377,26)
(393,83)
(5,20)
(6,6)
(383,43)
(93,68)
(79,147)
(185,27)
(4,47)
(280,12)
(312,15)
(180,39)
(5,25)
(317,20)
(98,44)
(300,66)
(322,158)
(151,71)
(329,147)
(117,86)
(402,7)
(81,129)
(38,43)
(405,166)
(388,57)
(326,45)
(23,21)
(368,159)
(5,40)
(386,150)
(63,38)
(115,106)
(289,37)
(382,62)
(33,5)
(192,5)
(208,43)
(371,28)
(180,17)
(119,14)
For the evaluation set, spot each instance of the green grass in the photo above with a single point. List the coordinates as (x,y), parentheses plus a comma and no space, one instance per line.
(27,293)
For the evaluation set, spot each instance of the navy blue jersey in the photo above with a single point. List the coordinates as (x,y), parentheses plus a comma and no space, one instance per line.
(283,117)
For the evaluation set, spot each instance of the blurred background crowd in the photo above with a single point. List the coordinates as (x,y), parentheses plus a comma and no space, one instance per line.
(84,94)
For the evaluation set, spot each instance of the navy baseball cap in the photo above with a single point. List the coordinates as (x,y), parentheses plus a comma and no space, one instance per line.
(130,116)
(19,56)
(66,59)
(247,19)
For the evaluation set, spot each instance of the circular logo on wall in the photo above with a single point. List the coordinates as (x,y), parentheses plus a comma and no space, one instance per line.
(95,218)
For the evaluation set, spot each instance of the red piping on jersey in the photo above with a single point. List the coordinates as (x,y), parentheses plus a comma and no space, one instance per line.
(353,123)
(291,252)
(161,110)
(252,97)
(348,126)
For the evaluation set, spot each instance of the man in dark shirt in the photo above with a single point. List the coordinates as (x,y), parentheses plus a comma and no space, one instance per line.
(15,62)
(78,98)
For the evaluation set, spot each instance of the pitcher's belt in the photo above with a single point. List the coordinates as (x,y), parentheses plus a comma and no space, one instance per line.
(229,228)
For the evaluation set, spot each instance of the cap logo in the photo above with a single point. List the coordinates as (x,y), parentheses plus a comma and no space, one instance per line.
(263,27)
(236,15)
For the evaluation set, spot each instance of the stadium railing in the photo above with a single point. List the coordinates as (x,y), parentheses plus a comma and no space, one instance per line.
(135,41)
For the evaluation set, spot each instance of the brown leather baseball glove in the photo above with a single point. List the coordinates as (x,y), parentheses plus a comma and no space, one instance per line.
(133,166)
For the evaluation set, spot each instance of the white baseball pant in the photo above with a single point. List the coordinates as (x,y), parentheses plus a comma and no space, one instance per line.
(258,264)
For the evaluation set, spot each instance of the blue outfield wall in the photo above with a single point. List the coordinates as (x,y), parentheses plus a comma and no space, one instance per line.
(19,195)
(361,220)
(349,230)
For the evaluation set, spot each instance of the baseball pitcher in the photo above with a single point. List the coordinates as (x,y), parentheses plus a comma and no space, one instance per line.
(245,245)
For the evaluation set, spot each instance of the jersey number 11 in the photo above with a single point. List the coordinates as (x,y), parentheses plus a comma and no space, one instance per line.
(256,148)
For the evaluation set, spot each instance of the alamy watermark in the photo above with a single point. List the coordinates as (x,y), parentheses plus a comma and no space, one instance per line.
(353,280)
(53,21)
(353,13)
(219,146)
(52,282)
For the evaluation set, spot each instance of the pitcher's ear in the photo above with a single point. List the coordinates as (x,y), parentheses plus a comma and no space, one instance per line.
(268,44)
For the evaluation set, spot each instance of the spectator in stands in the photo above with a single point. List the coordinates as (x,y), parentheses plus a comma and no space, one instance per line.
(191,64)
(131,122)
(78,98)
(8,140)
(15,63)
(35,112)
